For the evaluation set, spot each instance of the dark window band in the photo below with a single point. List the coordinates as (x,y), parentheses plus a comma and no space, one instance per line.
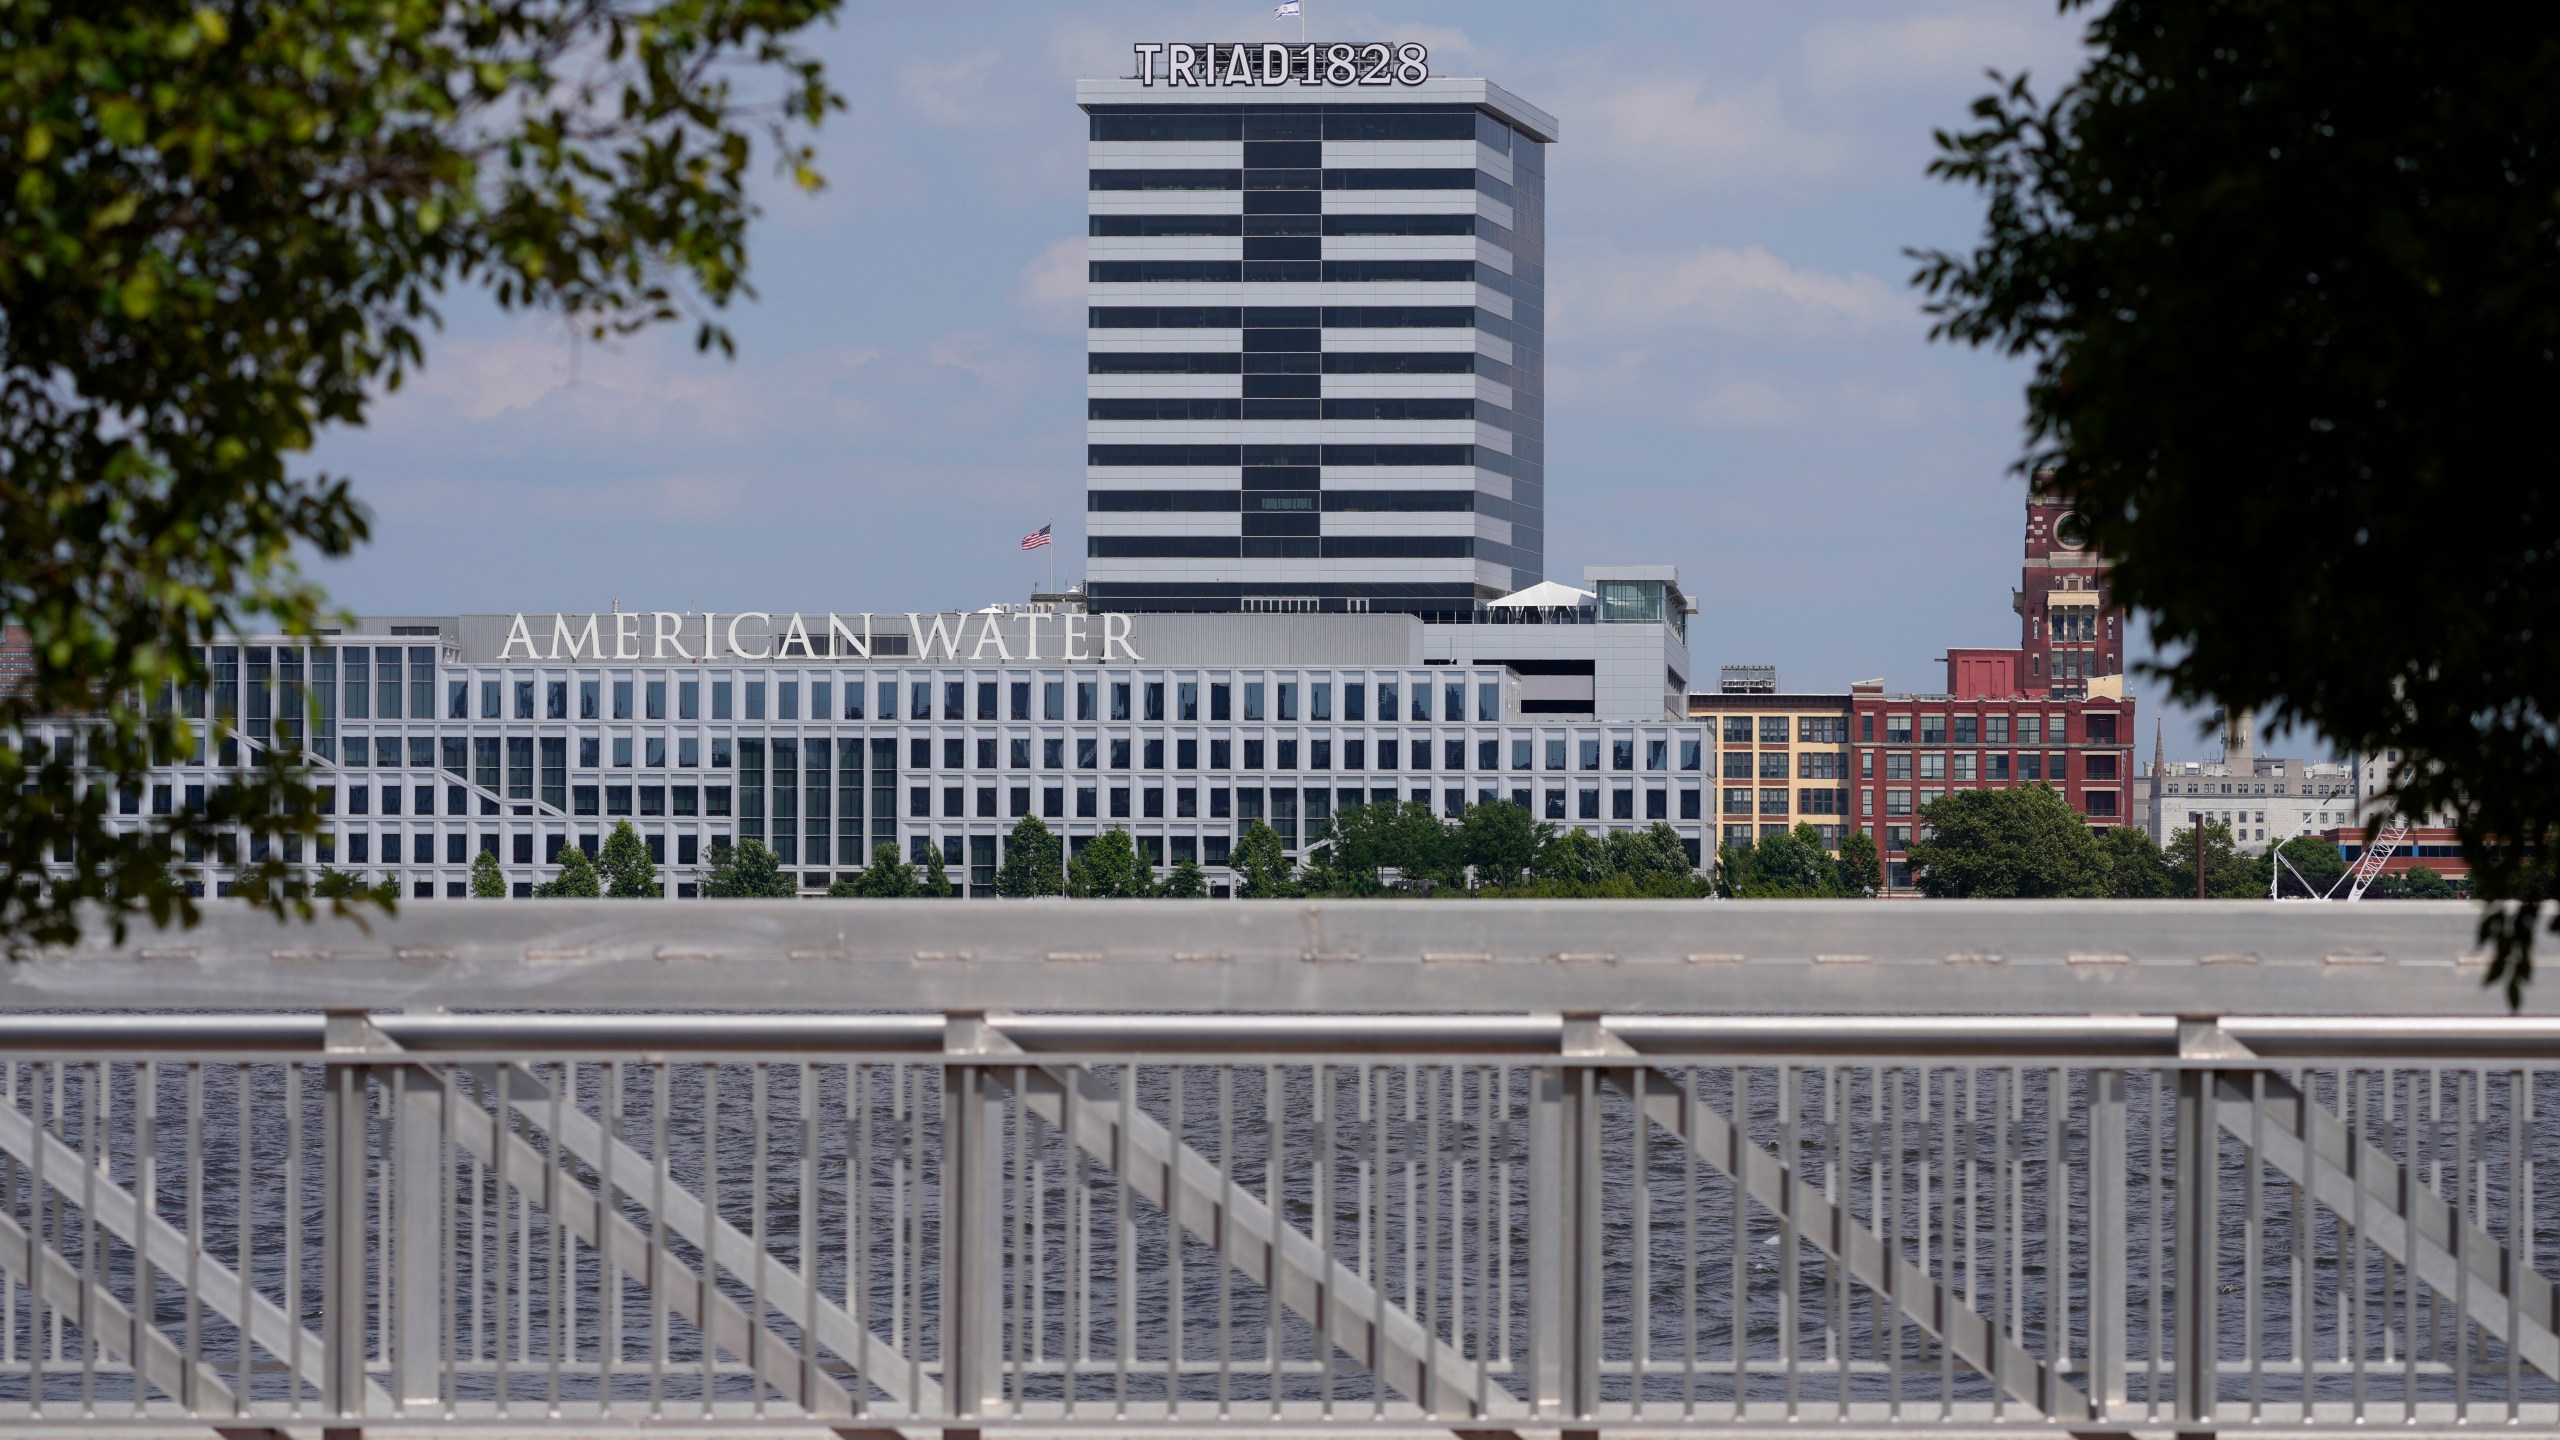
(1191,500)
(1168,224)
(1406,270)
(1180,407)
(1162,362)
(1123,271)
(1166,179)
(1430,408)
(1162,454)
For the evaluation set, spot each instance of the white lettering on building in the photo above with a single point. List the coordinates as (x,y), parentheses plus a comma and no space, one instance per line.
(940,635)
(563,647)
(741,651)
(795,633)
(947,636)
(1373,62)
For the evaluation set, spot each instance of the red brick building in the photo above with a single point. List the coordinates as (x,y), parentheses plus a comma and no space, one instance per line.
(2051,712)
(1908,750)
(2070,635)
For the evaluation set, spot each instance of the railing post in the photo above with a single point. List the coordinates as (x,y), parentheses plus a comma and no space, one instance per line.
(416,1266)
(972,1228)
(1564,1235)
(345,1227)
(2195,1240)
(2107,1288)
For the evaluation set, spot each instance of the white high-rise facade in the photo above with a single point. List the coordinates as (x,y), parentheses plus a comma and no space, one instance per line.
(1316,354)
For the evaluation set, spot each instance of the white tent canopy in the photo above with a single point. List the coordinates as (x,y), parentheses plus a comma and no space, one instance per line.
(1545,595)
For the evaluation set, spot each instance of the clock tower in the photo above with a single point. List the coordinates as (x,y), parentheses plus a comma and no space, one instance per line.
(2069,628)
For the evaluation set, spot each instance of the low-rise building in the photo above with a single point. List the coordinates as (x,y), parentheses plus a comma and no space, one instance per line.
(1781,759)
(2264,799)
(1911,750)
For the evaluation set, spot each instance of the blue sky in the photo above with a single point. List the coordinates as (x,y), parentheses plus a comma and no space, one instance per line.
(1739,378)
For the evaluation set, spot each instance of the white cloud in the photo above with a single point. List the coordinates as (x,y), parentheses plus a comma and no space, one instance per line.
(1745,400)
(1052,285)
(1935,52)
(954,92)
(1681,130)
(1749,291)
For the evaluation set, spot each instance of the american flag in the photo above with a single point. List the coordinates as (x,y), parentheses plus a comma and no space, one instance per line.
(1037,538)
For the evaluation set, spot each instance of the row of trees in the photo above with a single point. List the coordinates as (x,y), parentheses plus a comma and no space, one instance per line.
(1796,865)
(2028,842)
(1982,844)
(1370,850)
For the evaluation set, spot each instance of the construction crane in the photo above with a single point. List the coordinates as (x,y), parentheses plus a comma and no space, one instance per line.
(2368,866)
(2362,874)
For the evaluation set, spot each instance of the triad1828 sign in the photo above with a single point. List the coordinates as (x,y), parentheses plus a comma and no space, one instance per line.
(1373,63)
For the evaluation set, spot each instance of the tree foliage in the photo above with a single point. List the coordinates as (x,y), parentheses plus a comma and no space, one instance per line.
(1110,868)
(1861,868)
(625,867)
(2021,842)
(1030,865)
(1790,866)
(935,882)
(1184,882)
(227,228)
(1261,865)
(745,871)
(2315,867)
(1498,840)
(886,878)
(2228,874)
(2287,275)
(574,880)
(2136,870)
(488,882)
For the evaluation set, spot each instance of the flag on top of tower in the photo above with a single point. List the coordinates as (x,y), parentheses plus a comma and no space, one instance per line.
(1037,538)
(1287,10)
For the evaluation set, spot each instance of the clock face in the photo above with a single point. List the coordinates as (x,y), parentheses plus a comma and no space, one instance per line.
(2071,532)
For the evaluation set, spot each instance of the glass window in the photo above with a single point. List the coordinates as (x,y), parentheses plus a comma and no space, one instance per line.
(1897,729)
(955,700)
(920,700)
(1590,754)
(655,700)
(1088,699)
(786,700)
(1773,729)
(1737,729)
(1555,754)
(1253,700)
(1386,701)
(1689,754)
(621,699)
(1186,700)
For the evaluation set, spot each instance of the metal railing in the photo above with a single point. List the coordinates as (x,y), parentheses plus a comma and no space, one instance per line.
(2004,1212)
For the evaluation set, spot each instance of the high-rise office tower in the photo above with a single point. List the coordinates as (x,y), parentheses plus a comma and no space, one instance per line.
(1316,350)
